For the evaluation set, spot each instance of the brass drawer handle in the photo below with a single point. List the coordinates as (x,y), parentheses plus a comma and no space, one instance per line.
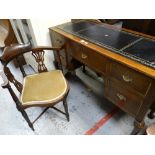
(126,78)
(83,56)
(121,97)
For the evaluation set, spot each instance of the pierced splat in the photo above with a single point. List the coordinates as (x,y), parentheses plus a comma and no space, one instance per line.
(12,79)
(39,56)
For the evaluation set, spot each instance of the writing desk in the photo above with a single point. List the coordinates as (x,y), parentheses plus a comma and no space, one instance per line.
(125,59)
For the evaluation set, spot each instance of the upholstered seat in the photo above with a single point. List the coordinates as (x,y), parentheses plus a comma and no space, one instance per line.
(46,87)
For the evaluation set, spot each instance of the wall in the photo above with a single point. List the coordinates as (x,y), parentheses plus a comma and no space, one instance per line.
(4,26)
(39,28)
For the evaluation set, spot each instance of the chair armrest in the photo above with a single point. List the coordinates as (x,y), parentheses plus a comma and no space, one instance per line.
(40,48)
(4,78)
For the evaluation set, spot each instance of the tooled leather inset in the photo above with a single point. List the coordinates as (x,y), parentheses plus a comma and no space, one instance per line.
(39,56)
(12,79)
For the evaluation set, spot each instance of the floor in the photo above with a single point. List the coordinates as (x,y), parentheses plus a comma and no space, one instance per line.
(90,113)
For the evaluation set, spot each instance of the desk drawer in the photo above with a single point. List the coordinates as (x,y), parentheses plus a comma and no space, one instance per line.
(88,57)
(125,99)
(136,80)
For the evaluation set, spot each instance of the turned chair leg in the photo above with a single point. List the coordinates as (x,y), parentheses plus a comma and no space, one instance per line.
(24,114)
(66,109)
(17,102)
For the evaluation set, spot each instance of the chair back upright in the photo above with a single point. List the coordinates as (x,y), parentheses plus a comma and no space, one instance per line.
(10,53)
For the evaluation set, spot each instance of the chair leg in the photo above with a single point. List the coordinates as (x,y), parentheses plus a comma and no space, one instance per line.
(66,109)
(18,106)
(24,114)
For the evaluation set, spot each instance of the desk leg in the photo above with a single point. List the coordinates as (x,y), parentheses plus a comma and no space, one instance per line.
(138,127)
(83,69)
(146,105)
(151,115)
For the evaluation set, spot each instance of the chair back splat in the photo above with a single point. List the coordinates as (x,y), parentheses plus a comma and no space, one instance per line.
(39,56)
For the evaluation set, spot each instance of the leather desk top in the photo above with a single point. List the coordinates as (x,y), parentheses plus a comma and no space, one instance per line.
(127,44)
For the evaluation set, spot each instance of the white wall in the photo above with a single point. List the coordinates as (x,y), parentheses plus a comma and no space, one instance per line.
(39,28)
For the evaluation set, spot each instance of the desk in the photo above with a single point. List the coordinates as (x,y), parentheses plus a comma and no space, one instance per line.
(128,73)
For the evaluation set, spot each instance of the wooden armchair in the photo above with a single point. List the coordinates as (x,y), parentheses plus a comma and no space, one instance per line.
(44,89)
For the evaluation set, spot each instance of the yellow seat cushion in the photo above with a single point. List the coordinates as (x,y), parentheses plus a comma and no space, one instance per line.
(43,87)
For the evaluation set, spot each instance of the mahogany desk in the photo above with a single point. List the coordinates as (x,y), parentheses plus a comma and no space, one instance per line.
(125,59)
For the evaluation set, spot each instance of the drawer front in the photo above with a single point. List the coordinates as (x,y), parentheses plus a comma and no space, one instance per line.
(125,99)
(138,81)
(88,57)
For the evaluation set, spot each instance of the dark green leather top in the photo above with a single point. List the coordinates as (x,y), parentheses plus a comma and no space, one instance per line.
(127,44)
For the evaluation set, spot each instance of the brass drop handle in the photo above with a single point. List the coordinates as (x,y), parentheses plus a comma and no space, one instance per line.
(126,78)
(121,97)
(84,56)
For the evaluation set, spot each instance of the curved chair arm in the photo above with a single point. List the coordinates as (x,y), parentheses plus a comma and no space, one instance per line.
(41,48)
(4,78)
